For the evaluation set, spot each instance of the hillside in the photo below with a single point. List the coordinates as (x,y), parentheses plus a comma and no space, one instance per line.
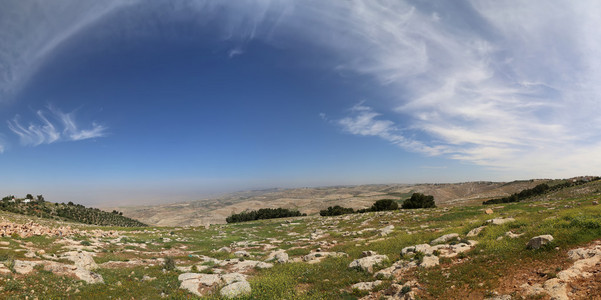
(312,200)
(452,252)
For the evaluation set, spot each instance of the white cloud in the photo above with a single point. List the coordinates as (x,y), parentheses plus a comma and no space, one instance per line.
(52,126)
(487,82)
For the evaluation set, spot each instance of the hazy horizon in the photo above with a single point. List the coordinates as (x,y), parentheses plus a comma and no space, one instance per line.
(137,102)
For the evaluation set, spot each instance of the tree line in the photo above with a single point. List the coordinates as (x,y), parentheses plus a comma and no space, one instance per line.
(67,212)
(417,200)
(263,213)
(538,190)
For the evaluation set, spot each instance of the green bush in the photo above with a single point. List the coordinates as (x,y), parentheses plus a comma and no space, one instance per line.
(336,210)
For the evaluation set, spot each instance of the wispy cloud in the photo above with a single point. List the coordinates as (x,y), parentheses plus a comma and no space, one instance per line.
(32,30)
(53,125)
(490,83)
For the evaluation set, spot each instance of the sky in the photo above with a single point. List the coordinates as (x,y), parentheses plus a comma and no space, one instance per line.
(124,102)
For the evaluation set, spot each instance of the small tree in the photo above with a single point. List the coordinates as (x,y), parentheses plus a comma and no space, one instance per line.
(419,200)
(40,198)
(29,196)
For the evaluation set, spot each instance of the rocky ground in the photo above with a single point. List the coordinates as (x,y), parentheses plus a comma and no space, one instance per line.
(548,249)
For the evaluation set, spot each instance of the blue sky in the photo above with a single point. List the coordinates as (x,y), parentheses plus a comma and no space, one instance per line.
(129,102)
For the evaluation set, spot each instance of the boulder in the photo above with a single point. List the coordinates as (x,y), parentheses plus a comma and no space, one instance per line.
(281,257)
(489,211)
(429,261)
(476,231)
(24,266)
(423,248)
(500,221)
(445,238)
(88,276)
(4,270)
(233,277)
(513,235)
(368,253)
(367,263)
(249,264)
(197,283)
(224,249)
(315,257)
(81,259)
(235,290)
(366,286)
(386,230)
(242,253)
(539,241)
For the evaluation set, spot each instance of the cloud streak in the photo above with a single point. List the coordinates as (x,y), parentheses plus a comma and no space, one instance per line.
(53,126)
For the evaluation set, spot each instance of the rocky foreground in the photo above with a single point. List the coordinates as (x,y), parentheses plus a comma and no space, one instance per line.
(547,249)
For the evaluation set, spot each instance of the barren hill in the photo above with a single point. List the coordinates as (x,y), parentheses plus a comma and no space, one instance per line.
(311,200)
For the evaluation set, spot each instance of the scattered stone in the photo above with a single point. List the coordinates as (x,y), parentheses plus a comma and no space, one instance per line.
(367,263)
(513,235)
(366,286)
(539,241)
(595,202)
(476,231)
(489,211)
(316,257)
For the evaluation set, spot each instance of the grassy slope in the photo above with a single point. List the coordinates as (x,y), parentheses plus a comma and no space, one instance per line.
(494,265)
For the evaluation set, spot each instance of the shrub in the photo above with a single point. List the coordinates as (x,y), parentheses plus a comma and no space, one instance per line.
(419,200)
(336,210)
(169,264)
(384,204)
(405,289)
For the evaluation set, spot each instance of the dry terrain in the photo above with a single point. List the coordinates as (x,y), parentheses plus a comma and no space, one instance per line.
(312,200)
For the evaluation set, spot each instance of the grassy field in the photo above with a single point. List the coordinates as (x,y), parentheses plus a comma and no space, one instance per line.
(134,264)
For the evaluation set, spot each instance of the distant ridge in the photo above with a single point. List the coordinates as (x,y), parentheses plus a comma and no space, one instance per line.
(312,200)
